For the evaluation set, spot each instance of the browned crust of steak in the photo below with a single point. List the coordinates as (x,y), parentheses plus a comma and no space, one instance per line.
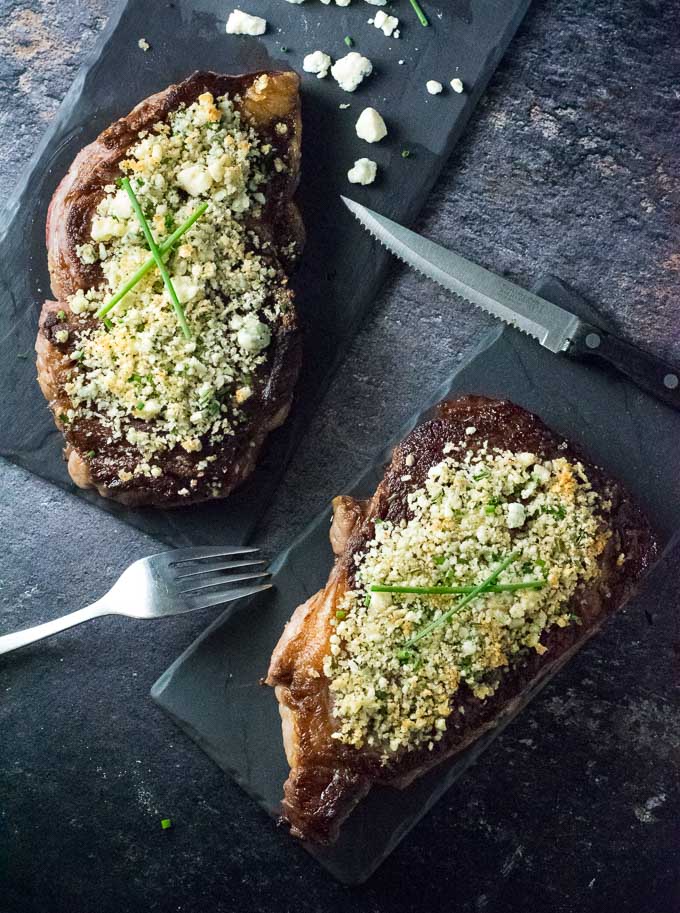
(68,225)
(328,778)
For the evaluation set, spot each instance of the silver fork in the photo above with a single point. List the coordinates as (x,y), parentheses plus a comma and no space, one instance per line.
(170,583)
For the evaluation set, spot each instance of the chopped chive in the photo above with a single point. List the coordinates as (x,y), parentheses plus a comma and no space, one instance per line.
(166,823)
(144,269)
(458,590)
(406,153)
(284,49)
(140,405)
(422,18)
(61,315)
(158,257)
(107,323)
(89,454)
(340,614)
(348,41)
(466,600)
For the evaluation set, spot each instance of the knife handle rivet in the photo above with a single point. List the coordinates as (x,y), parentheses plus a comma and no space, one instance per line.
(671,381)
(593,340)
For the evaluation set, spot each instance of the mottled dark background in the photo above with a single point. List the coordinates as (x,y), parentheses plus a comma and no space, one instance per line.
(571,166)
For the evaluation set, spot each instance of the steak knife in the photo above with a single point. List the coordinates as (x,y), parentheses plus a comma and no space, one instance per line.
(557,329)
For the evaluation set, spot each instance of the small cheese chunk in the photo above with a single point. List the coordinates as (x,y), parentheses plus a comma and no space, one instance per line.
(106,227)
(457,85)
(363,172)
(185,288)
(370,126)
(317,62)
(387,24)
(350,71)
(195,180)
(240,23)
(516,515)
(253,335)
(434,87)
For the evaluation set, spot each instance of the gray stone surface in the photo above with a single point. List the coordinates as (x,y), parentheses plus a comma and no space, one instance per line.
(571,165)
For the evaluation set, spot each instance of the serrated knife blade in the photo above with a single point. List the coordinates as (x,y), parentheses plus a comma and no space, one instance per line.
(550,324)
(554,327)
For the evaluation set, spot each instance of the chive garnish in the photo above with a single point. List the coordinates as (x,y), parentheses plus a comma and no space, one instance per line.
(107,323)
(349,41)
(166,823)
(458,590)
(89,454)
(61,315)
(406,153)
(422,18)
(474,592)
(340,614)
(158,257)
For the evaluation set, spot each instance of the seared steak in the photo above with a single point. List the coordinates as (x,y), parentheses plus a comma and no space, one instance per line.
(338,710)
(128,437)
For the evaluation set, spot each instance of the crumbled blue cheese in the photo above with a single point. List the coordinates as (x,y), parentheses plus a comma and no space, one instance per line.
(370,126)
(362,172)
(351,70)
(143,44)
(187,391)
(317,62)
(463,520)
(434,87)
(240,23)
(387,24)
(457,85)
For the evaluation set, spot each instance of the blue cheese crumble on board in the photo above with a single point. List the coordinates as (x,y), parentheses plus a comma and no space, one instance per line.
(471,511)
(185,391)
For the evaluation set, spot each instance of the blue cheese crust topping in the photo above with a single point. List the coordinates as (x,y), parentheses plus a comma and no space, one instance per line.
(186,392)
(473,510)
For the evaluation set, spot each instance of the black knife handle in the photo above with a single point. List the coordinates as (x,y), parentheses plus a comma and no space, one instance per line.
(651,374)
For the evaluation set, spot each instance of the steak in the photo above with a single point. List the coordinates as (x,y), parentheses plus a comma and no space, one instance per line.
(267,102)
(328,776)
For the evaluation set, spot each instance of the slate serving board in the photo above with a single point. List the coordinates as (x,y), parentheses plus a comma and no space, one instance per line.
(212,691)
(467,38)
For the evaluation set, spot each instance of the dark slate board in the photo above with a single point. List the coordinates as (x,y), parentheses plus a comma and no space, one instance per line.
(468,41)
(212,690)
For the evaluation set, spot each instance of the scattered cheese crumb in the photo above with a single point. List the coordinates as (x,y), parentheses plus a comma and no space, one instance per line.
(240,23)
(350,71)
(317,62)
(434,87)
(387,24)
(143,44)
(363,172)
(457,85)
(370,126)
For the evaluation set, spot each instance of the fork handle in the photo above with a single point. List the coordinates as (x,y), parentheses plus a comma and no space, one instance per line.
(10,642)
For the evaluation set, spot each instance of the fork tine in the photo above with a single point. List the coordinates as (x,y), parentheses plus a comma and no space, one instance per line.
(204,600)
(214,580)
(207,568)
(182,555)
